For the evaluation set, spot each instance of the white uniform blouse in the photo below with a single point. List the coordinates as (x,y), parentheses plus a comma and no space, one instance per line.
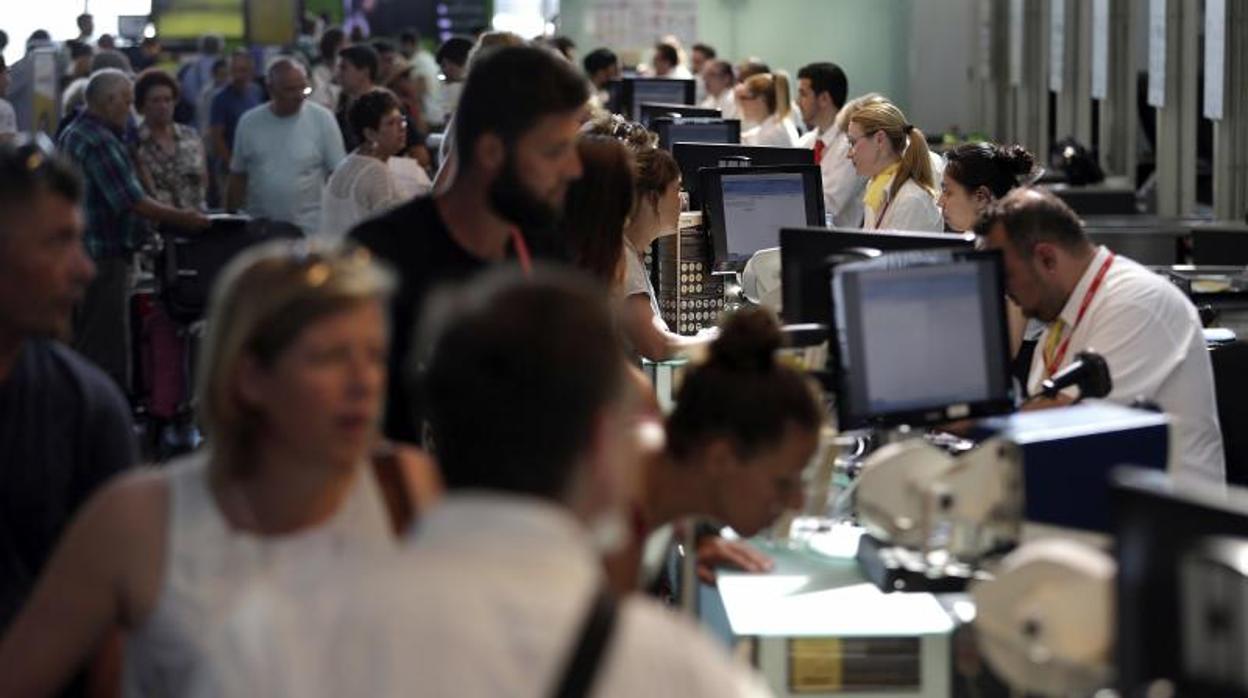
(772,131)
(914,208)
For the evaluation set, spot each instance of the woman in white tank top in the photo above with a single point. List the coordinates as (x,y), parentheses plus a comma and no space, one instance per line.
(291,388)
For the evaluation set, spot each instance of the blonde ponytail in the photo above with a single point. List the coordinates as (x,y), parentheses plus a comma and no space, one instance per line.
(775,91)
(784,95)
(916,162)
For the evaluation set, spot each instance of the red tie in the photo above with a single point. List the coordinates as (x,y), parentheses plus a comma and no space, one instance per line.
(819,148)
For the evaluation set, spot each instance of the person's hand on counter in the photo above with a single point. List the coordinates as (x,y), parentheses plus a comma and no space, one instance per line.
(716,551)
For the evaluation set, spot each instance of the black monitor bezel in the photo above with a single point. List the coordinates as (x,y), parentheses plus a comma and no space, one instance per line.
(1156,519)
(623,94)
(693,157)
(711,184)
(662,127)
(804,267)
(929,415)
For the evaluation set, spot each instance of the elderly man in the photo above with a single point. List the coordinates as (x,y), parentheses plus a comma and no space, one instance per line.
(116,211)
(283,152)
(64,426)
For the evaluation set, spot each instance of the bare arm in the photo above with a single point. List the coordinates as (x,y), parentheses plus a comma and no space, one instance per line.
(184,218)
(643,332)
(235,191)
(216,134)
(93,583)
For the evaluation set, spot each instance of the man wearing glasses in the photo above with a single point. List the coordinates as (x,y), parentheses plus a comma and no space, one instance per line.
(283,152)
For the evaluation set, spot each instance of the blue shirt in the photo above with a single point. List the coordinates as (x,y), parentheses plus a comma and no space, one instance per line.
(112,185)
(229,106)
(287,160)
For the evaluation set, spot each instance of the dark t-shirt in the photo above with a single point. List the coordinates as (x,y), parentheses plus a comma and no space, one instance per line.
(415,242)
(64,430)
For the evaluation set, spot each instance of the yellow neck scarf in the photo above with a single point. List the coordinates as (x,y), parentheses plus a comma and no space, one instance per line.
(874,197)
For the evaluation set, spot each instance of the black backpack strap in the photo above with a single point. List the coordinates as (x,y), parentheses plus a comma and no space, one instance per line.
(590,647)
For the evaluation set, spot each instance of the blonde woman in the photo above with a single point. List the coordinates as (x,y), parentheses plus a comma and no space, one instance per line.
(766,100)
(290,485)
(893,154)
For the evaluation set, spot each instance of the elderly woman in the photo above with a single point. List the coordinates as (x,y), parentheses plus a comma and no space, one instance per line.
(170,156)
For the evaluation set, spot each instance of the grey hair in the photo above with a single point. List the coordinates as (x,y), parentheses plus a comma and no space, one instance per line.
(104,84)
(283,62)
(110,58)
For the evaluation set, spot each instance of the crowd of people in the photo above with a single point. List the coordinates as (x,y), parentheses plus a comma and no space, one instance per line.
(431,462)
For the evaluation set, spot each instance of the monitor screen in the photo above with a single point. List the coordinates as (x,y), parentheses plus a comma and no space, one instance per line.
(696,131)
(747,206)
(804,262)
(955,302)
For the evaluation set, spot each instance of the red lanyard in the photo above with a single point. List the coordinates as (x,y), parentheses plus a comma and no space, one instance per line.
(1083,309)
(880,218)
(522,252)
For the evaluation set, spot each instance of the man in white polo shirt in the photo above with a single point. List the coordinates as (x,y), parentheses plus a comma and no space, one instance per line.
(1092,299)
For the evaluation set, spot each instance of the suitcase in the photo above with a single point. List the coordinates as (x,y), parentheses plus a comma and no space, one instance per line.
(190,263)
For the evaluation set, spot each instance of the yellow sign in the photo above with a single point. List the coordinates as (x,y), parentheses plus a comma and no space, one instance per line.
(815,665)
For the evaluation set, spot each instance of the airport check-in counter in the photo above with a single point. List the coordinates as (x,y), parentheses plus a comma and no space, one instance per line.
(815,626)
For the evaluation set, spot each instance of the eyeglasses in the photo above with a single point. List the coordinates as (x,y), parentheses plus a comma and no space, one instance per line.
(865,136)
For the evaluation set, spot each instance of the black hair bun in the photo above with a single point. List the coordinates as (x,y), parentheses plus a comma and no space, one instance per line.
(748,340)
(1017,160)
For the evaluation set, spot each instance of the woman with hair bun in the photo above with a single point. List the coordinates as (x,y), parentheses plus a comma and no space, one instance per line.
(892,152)
(976,174)
(744,427)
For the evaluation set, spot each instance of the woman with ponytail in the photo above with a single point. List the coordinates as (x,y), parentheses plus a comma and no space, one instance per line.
(767,100)
(892,152)
(744,427)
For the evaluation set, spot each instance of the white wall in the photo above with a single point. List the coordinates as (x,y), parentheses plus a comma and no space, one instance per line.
(21,17)
(944,36)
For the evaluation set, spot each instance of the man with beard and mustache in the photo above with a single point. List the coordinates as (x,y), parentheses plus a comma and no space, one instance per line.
(516,126)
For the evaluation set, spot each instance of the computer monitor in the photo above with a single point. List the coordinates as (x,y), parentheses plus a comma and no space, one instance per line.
(804,265)
(655,110)
(744,208)
(921,338)
(693,157)
(132,26)
(1166,536)
(628,94)
(695,130)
